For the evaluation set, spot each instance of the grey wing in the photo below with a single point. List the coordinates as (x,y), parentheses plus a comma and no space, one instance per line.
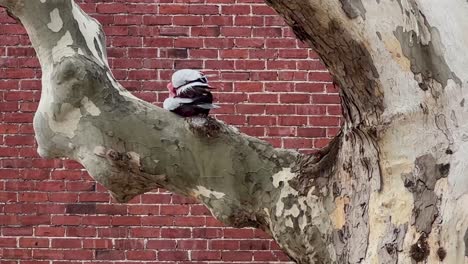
(172,103)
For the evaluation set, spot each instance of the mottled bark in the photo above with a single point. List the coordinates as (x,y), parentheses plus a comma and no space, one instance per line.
(390,188)
(400,167)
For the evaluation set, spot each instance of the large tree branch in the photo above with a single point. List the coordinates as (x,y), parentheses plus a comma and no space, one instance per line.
(394,77)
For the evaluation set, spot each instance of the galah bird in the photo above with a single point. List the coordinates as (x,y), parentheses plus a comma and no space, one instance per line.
(189,94)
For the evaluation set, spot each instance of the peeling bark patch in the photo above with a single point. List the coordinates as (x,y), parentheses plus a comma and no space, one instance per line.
(421,183)
(392,244)
(353,8)
(63,49)
(426,59)
(90,107)
(420,250)
(90,29)
(56,22)
(65,120)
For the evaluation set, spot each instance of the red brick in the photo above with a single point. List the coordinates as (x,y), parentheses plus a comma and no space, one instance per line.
(156,198)
(297,143)
(161,244)
(232,119)
(34,220)
(236,31)
(311,109)
(218,20)
(253,131)
(274,21)
(250,109)
(189,221)
(16,254)
(16,231)
(206,255)
(7,242)
(204,53)
(255,244)
(110,254)
(129,243)
(141,255)
(235,9)
(264,256)
(125,220)
(238,233)
(325,99)
(261,120)
(157,220)
(34,242)
(331,121)
(311,132)
(175,233)
(81,231)
(320,76)
(281,131)
(66,243)
(66,220)
(292,120)
(187,20)
(172,255)
(97,243)
(280,109)
(248,21)
(49,231)
(219,65)
(48,254)
(173,9)
(207,232)
(192,244)
(309,65)
(295,98)
(310,87)
(112,8)
(236,255)
(203,10)
(157,20)
(224,244)
(145,232)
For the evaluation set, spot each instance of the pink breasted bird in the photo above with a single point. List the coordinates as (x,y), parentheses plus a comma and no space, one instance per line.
(189,94)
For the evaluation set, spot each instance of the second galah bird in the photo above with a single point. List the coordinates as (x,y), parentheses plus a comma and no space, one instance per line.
(189,94)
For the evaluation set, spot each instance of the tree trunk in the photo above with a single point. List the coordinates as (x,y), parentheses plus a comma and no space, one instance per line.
(390,188)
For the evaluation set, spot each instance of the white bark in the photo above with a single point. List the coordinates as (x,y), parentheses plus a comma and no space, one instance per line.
(390,188)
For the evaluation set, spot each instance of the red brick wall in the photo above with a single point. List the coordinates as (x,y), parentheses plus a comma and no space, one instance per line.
(269,86)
